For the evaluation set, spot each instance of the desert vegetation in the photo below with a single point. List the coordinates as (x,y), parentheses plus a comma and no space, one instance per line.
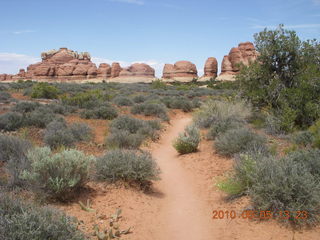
(60,141)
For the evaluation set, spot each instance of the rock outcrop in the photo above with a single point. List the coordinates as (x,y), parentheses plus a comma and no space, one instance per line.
(62,64)
(210,69)
(104,71)
(6,77)
(115,70)
(181,71)
(137,72)
(244,54)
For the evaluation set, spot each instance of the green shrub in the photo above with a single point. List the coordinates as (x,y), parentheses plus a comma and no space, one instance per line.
(13,151)
(127,165)
(123,101)
(59,175)
(5,97)
(88,99)
(57,134)
(289,184)
(126,123)
(220,127)
(303,138)
(124,139)
(24,107)
(11,121)
(40,117)
(129,133)
(150,109)
(23,220)
(158,84)
(285,77)
(182,103)
(44,90)
(238,140)
(188,141)
(103,112)
(315,131)
(81,131)
(218,111)
(139,98)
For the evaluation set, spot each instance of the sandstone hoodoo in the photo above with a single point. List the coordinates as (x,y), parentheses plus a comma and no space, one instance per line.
(210,69)
(183,71)
(104,71)
(244,54)
(137,72)
(115,70)
(62,64)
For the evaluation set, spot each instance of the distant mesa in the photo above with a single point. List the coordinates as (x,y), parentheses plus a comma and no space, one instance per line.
(244,54)
(183,71)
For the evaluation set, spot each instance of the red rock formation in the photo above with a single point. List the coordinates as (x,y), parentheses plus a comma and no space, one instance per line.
(104,70)
(245,53)
(62,64)
(138,70)
(182,70)
(115,70)
(211,68)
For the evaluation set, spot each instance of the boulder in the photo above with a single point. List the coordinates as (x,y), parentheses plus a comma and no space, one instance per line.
(180,71)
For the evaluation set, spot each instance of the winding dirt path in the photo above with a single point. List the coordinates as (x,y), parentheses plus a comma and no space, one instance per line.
(183,215)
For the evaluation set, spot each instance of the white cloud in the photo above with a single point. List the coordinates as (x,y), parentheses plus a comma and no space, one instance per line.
(312,25)
(23,31)
(11,62)
(137,2)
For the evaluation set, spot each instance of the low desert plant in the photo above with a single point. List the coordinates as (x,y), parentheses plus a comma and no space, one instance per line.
(11,121)
(124,139)
(60,175)
(218,111)
(24,107)
(315,131)
(150,109)
(81,131)
(238,140)
(288,184)
(40,117)
(88,99)
(5,97)
(13,151)
(220,127)
(44,90)
(188,141)
(303,138)
(102,112)
(127,123)
(22,220)
(57,134)
(127,165)
(123,101)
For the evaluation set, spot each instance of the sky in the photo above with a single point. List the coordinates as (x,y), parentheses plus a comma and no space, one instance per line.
(150,31)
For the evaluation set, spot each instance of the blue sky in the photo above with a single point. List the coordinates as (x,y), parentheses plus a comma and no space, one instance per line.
(151,31)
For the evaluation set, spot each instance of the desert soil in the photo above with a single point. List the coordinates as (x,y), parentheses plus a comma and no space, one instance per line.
(181,204)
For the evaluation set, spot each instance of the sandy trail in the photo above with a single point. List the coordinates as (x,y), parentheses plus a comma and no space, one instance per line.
(183,215)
